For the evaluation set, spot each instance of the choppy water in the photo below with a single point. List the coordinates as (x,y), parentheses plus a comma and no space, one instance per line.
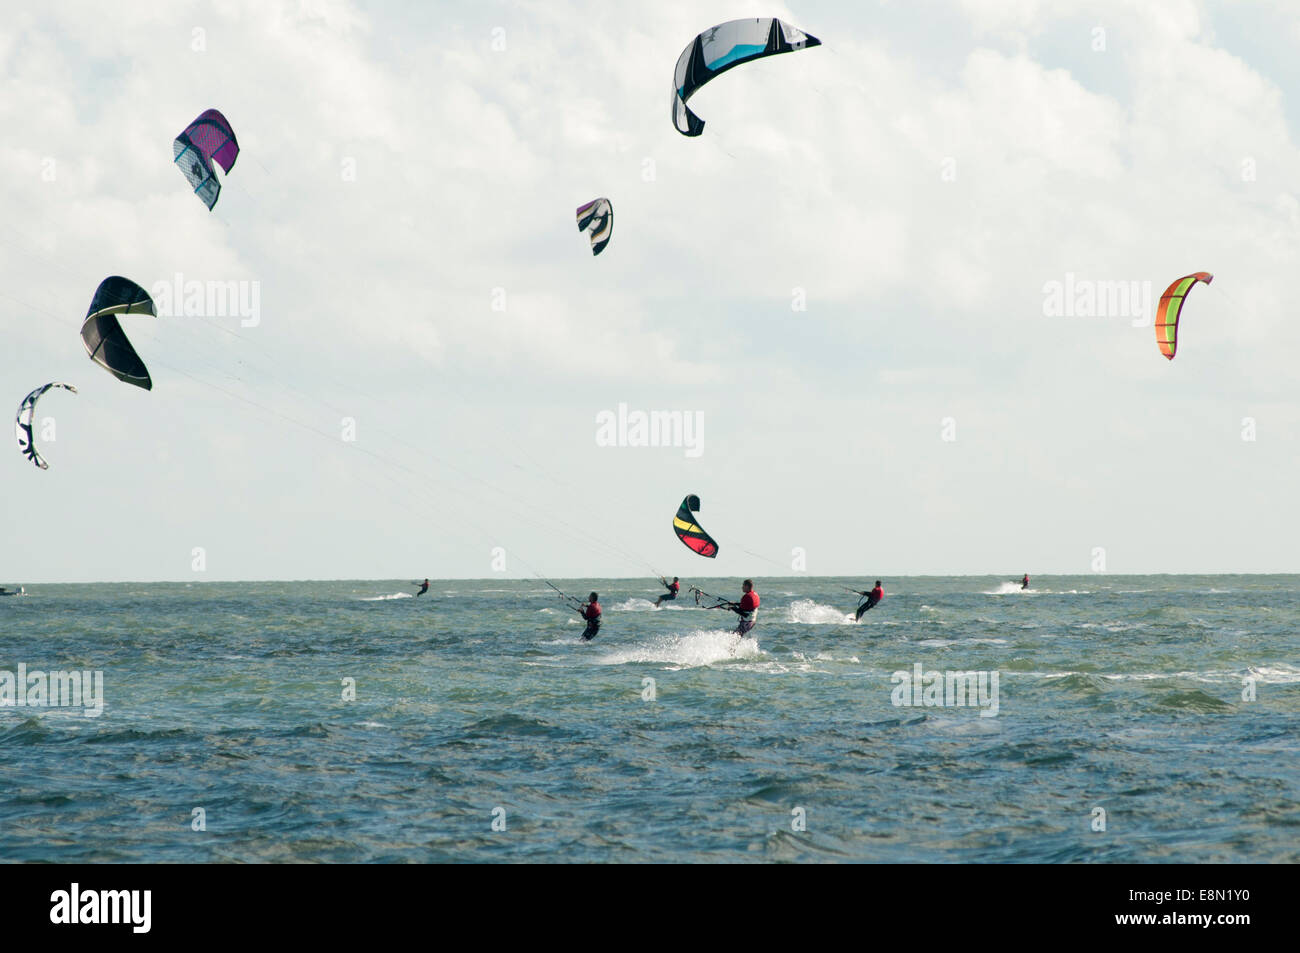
(478,701)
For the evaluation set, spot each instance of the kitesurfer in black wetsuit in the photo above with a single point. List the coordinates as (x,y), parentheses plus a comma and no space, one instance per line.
(673,587)
(872,599)
(423,588)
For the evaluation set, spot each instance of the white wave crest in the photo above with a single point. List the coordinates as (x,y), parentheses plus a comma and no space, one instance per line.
(1009,589)
(808,612)
(635,605)
(701,647)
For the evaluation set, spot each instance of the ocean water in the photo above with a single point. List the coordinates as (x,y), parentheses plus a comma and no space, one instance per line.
(1135,719)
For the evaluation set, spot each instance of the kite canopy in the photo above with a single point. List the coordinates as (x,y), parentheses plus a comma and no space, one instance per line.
(206,140)
(1171,309)
(104,338)
(690,532)
(718,49)
(597,218)
(23,423)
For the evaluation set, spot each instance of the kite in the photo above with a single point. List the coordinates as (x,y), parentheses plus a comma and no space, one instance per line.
(597,217)
(208,138)
(1171,309)
(718,49)
(690,532)
(23,424)
(104,338)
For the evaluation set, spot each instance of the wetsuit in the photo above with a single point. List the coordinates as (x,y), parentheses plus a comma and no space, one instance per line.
(424,588)
(591,612)
(873,599)
(747,609)
(1024,583)
(671,594)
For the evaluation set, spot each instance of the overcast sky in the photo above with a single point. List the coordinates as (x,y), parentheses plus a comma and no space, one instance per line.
(844,278)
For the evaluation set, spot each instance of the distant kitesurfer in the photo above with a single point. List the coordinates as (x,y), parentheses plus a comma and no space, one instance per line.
(872,599)
(424,587)
(591,612)
(1024,583)
(746,608)
(673,587)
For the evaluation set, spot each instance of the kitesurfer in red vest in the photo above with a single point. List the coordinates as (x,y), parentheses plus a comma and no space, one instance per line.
(673,587)
(591,612)
(1024,583)
(746,608)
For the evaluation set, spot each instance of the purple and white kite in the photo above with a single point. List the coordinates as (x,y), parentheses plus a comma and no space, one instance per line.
(207,139)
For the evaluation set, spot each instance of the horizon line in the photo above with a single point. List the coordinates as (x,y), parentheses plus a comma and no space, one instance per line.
(884,576)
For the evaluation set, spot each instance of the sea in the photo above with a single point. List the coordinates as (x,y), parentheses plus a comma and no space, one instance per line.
(1088,719)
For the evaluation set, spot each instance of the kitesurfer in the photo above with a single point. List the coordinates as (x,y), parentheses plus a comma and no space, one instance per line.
(746,608)
(424,587)
(673,587)
(872,599)
(591,612)
(1024,583)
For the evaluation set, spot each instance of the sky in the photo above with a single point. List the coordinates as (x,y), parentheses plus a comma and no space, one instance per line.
(845,284)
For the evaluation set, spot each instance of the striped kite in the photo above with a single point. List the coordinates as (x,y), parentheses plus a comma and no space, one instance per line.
(1171,308)
(597,217)
(690,532)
